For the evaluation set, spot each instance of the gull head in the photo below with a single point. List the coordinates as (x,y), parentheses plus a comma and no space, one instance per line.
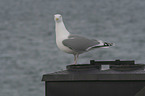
(57,18)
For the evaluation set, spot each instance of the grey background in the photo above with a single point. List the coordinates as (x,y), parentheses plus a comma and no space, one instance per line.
(27,37)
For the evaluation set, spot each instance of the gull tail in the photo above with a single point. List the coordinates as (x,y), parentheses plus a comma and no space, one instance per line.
(101,45)
(104,45)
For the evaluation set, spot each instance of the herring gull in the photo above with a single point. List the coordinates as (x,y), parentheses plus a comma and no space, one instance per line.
(74,44)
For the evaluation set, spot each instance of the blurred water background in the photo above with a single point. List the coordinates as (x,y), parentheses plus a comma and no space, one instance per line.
(27,37)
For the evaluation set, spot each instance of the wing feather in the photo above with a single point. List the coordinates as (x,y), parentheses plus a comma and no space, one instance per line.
(80,44)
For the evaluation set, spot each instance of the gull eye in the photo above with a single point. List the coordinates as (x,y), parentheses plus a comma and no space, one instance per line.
(57,19)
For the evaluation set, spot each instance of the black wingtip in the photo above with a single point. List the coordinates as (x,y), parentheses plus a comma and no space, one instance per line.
(109,44)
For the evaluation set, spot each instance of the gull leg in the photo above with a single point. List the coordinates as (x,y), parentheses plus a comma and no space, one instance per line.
(74,58)
(77,56)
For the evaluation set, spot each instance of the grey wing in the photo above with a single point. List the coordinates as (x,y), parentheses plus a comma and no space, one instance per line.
(79,44)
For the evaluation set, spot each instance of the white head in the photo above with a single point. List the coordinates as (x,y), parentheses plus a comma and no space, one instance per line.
(57,18)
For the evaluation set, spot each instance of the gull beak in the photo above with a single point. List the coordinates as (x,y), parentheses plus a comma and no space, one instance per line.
(56,18)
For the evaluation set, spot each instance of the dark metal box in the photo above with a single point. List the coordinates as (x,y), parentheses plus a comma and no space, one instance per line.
(122,78)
